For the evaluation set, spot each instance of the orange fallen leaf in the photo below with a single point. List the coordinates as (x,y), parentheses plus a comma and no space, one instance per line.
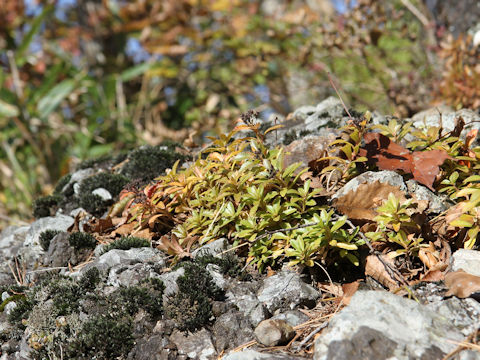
(461,284)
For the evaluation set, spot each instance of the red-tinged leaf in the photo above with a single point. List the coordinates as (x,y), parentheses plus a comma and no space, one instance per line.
(471,136)
(426,165)
(387,155)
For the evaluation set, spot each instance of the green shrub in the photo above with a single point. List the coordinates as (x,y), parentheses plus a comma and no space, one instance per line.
(127,242)
(46,237)
(149,162)
(46,206)
(81,240)
(93,203)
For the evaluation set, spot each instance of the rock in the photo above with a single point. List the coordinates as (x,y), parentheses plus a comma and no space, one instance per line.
(153,347)
(170,281)
(307,149)
(132,275)
(436,203)
(196,346)
(286,290)
(60,252)
(124,258)
(59,222)
(217,276)
(103,193)
(77,178)
(250,354)
(245,299)
(212,248)
(446,117)
(11,241)
(467,260)
(381,325)
(273,332)
(292,317)
(231,329)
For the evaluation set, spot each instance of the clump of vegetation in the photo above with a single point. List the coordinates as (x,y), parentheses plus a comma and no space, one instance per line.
(103,337)
(127,242)
(46,237)
(228,264)
(148,162)
(90,279)
(191,307)
(105,161)
(93,203)
(64,180)
(239,190)
(81,240)
(46,205)
(146,297)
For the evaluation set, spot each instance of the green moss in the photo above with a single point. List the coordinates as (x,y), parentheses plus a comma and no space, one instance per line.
(190,313)
(93,203)
(191,307)
(103,337)
(21,311)
(64,180)
(105,161)
(134,298)
(290,137)
(81,240)
(46,206)
(90,279)
(66,294)
(197,280)
(127,242)
(46,237)
(148,162)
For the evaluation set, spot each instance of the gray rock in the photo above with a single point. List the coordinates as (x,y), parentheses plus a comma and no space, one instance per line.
(436,203)
(246,300)
(286,290)
(121,275)
(196,346)
(292,317)
(59,222)
(446,117)
(151,348)
(467,260)
(60,252)
(77,178)
(11,239)
(213,248)
(217,276)
(103,193)
(272,332)
(250,354)
(125,257)
(378,322)
(170,281)
(230,330)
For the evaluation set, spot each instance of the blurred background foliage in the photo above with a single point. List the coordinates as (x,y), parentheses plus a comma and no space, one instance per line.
(86,78)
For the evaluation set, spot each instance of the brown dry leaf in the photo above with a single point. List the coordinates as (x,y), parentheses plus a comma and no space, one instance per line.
(360,204)
(429,256)
(376,270)
(348,291)
(144,233)
(387,155)
(170,245)
(461,284)
(98,225)
(433,275)
(125,229)
(331,288)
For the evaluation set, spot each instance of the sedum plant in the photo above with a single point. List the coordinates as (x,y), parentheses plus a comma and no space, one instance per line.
(239,189)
